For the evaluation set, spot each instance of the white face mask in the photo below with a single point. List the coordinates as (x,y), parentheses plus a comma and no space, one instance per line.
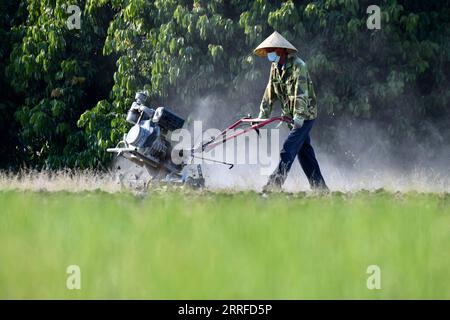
(273,57)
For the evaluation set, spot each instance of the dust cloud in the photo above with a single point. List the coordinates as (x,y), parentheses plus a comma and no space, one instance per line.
(361,157)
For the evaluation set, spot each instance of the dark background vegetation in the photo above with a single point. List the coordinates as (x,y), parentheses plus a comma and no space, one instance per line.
(64,93)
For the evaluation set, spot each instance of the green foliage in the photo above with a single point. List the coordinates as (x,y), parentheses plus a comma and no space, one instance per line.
(60,73)
(11,14)
(74,86)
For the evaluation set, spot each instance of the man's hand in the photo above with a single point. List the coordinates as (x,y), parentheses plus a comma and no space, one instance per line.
(298,122)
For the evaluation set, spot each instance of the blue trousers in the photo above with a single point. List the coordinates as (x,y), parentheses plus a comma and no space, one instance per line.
(298,143)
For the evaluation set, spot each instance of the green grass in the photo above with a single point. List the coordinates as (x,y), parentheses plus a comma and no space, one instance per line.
(219,246)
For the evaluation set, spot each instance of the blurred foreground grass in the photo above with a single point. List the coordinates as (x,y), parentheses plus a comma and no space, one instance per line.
(209,245)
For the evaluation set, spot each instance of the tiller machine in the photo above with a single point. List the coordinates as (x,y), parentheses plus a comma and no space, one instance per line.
(148,143)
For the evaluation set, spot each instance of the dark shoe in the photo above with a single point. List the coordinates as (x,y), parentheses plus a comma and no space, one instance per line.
(271,187)
(323,189)
(274,184)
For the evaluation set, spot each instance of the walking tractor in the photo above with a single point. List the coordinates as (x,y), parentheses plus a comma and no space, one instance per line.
(148,144)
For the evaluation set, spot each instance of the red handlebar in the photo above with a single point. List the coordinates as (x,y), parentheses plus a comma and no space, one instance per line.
(255,124)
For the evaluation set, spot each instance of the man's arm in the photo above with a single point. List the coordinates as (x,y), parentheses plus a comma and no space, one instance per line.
(265,109)
(305,97)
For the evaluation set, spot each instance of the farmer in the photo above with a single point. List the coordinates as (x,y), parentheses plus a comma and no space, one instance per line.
(290,83)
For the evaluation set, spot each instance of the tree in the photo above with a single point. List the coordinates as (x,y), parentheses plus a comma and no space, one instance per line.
(11,14)
(179,50)
(59,73)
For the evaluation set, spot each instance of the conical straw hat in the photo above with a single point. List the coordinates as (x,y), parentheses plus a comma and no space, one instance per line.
(275,40)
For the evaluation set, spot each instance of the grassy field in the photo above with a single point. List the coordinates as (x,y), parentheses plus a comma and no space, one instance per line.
(171,245)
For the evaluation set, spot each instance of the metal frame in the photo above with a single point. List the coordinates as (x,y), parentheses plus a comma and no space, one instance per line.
(133,154)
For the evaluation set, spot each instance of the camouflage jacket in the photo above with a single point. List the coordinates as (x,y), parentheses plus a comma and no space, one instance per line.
(293,87)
